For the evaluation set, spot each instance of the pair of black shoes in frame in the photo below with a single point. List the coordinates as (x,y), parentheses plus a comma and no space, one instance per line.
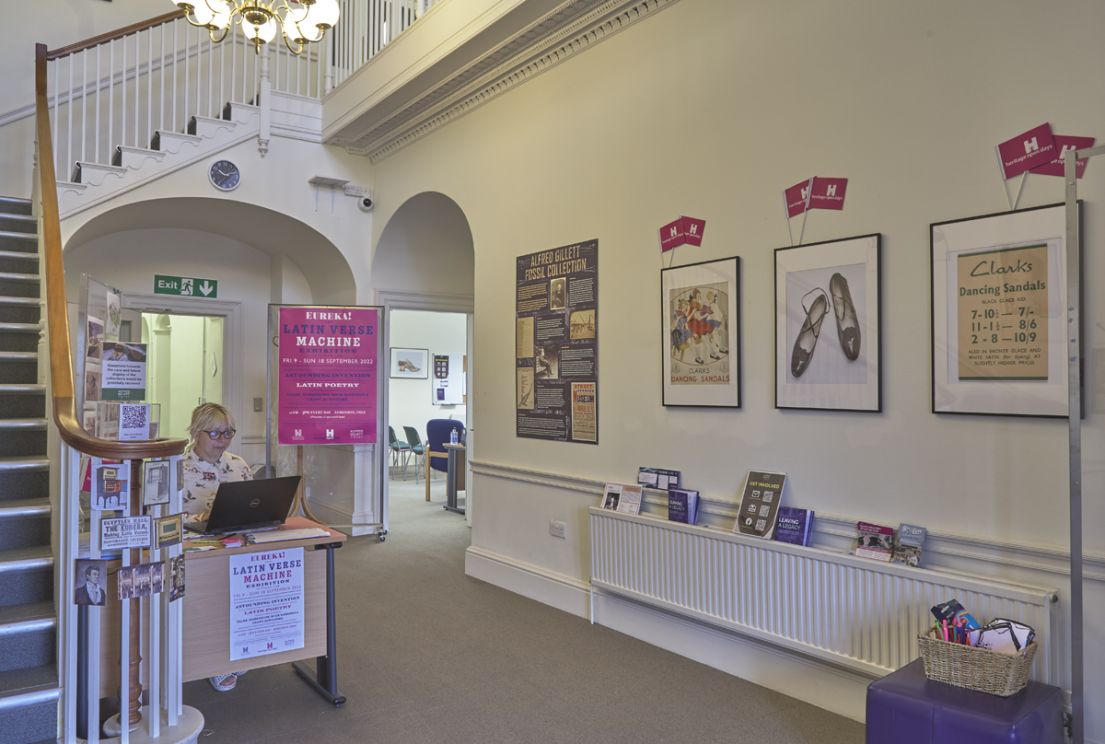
(847,324)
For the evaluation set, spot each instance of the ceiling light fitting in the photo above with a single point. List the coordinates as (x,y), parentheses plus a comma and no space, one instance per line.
(301,22)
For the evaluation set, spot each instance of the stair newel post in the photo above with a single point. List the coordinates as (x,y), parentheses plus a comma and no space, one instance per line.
(264,103)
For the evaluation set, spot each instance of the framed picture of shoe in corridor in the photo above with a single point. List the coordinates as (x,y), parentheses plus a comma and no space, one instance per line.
(700,317)
(828,351)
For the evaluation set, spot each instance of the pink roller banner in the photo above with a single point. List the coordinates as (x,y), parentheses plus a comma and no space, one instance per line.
(326,372)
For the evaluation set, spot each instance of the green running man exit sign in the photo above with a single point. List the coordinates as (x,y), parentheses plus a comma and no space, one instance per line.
(185,286)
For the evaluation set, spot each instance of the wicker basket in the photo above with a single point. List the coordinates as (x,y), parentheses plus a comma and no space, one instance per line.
(975,668)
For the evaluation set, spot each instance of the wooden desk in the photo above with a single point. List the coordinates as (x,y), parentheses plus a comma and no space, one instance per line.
(206,631)
(454,476)
(207,605)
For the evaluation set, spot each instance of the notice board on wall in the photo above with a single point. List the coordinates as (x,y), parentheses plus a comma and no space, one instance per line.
(449,372)
(556,344)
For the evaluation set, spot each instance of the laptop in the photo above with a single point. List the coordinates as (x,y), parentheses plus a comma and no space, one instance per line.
(241,506)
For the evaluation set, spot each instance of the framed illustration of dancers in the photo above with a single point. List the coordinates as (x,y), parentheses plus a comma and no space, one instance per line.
(828,351)
(700,307)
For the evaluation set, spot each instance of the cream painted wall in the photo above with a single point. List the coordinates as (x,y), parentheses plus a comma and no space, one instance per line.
(711,109)
(409,401)
(55,23)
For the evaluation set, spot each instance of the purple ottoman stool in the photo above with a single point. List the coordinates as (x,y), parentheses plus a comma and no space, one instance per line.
(907,708)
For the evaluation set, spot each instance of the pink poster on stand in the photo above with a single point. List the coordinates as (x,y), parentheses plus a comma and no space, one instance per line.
(326,373)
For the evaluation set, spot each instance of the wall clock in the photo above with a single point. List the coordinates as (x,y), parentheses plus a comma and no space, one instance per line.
(224,175)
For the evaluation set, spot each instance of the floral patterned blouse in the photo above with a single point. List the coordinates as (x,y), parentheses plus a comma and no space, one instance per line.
(202,478)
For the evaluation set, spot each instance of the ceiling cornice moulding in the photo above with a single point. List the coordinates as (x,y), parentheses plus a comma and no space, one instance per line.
(570,28)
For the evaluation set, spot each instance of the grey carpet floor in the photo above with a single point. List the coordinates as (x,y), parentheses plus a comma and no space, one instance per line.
(428,655)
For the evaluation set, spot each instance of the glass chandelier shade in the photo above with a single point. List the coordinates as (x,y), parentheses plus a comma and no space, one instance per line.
(300,22)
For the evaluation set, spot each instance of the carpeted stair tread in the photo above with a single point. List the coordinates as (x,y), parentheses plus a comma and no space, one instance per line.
(19,327)
(24,508)
(22,423)
(18,277)
(9,464)
(19,356)
(25,681)
(15,205)
(8,300)
(27,617)
(22,388)
(26,559)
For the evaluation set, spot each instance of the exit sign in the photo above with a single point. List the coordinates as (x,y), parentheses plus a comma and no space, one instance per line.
(185,286)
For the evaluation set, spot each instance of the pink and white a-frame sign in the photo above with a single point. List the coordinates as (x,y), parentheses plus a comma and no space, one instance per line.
(327,362)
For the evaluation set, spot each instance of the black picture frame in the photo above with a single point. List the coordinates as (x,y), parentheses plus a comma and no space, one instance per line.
(1017,390)
(812,282)
(700,313)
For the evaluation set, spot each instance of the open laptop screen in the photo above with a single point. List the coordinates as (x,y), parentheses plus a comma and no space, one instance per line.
(242,505)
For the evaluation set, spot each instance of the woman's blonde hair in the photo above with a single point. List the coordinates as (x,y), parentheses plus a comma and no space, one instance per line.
(208,415)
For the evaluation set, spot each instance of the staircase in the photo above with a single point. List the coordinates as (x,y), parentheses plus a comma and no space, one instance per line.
(28,621)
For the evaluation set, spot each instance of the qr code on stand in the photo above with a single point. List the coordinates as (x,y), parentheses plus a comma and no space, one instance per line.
(134,421)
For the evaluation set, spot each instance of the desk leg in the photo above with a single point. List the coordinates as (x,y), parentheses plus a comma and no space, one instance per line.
(325,677)
(451,483)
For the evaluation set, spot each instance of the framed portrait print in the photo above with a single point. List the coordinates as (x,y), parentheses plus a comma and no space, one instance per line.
(700,318)
(828,346)
(999,298)
(411,363)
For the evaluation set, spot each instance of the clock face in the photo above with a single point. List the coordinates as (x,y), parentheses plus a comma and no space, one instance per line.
(224,175)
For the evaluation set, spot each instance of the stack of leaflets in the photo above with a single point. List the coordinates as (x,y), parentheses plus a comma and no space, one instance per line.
(623,498)
(909,544)
(658,478)
(683,505)
(875,541)
(760,504)
(795,526)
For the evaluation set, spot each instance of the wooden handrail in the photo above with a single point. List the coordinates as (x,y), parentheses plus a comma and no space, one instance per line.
(57,318)
(118,33)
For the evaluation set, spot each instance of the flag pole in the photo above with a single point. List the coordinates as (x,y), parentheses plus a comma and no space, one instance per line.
(1004,183)
(786,214)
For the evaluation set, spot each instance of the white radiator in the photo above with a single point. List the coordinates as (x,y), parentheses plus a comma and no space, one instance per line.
(851,612)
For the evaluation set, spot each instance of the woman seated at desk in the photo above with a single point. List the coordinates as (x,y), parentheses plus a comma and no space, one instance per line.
(206,464)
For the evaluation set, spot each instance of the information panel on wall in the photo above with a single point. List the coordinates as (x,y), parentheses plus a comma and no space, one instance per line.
(326,374)
(556,344)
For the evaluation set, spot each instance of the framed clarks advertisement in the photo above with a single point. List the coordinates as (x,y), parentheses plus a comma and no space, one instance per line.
(700,318)
(828,350)
(999,298)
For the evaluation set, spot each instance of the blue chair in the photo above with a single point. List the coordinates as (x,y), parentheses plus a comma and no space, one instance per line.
(437,435)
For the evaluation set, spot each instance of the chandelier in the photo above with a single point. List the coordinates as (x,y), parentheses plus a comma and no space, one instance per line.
(301,22)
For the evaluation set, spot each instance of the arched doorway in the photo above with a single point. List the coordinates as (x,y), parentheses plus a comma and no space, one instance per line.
(258,256)
(423,273)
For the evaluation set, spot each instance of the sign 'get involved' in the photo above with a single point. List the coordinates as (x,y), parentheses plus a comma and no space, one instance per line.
(185,286)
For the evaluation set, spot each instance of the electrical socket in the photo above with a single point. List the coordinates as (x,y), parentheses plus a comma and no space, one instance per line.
(258,405)
(558,529)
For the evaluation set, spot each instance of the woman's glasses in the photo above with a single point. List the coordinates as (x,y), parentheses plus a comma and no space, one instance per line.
(228,434)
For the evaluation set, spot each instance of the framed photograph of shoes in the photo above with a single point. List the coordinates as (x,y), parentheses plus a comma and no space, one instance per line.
(700,318)
(999,298)
(828,350)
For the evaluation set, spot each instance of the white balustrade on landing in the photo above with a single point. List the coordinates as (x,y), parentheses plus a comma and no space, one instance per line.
(122,91)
